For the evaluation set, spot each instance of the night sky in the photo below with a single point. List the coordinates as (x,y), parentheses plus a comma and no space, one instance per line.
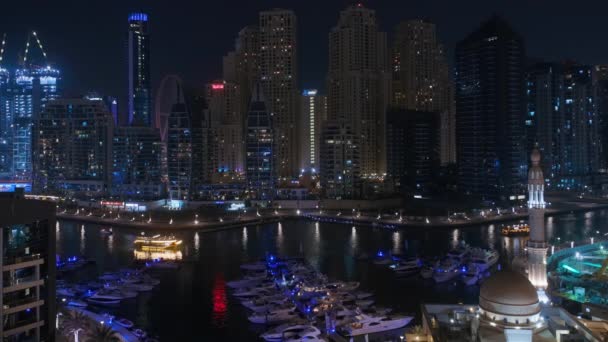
(86,38)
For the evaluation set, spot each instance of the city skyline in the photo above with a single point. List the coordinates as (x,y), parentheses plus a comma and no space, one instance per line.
(187,26)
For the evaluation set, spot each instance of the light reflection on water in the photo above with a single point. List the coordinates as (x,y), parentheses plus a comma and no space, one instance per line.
(212,258)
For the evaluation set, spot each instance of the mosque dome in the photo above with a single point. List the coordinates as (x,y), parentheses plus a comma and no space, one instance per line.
(509,297)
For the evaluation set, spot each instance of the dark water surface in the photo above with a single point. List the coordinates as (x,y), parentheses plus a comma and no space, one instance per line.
(193,303)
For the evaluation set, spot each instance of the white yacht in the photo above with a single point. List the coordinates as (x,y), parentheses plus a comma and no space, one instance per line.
(105,298)
(460,254)
(238,284)
(484,259)
(287,331)
(447,270)
(365,324)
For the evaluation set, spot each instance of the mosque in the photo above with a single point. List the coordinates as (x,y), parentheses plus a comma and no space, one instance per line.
(511,303)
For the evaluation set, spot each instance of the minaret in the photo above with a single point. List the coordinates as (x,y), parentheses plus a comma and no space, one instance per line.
(537,246)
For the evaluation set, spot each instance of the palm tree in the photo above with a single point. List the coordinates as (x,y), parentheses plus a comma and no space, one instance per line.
(75,320)
(102,333)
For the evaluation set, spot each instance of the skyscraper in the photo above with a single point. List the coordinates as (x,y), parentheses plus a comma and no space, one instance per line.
(358,84)
(340,165)
(313,112)
(31,89)
(421,80)
(224,127)
(6,122)
(412,149)
(73,149)
(139,82)
(279,80)
(180,152)
(261,177)
(600,83)
(490,111)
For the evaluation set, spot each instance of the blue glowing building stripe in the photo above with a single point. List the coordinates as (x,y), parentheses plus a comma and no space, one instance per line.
(138,17)
(592,264)
(571,269)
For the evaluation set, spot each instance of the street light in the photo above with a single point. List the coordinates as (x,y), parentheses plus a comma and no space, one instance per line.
(75,332)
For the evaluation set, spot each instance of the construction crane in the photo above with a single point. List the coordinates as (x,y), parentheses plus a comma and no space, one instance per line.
(2,48)
(27,46)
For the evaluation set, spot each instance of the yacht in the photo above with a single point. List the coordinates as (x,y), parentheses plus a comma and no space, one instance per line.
(66,291)
(286,331)
(449,269)
(104,299)
(407,267)
(311,334)
(460,254)
(365,325)
(342,286)
(138,287)
(382,258)
(473,274)
(270,306)
(157,243)
(124,323)
(426,272)
(273,317)
(484,259)
(237,284)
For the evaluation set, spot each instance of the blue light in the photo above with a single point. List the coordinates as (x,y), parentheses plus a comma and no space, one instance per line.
(138,17)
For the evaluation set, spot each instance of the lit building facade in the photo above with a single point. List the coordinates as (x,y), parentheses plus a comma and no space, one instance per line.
(564,119)
(73,147)
(6,123)
(31,89)
(313,112)
(27,239)
(224,130)
(279,80)
(260,172)
(180,152)
(421,80)
(412,149)
(358,84)
(136,163)
(340,165)
(490,111)
(139,82)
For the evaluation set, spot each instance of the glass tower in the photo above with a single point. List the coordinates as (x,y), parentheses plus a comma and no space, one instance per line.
(140,93)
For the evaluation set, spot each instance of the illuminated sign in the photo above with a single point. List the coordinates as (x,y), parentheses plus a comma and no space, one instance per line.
(310,92)
(112,204)
(138,17)
(217,86)
(236,206)
(10,187)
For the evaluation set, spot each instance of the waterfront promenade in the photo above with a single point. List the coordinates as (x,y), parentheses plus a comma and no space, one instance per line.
(176,220)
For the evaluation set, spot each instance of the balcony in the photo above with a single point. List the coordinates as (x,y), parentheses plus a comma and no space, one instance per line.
(16,262)
(17,305)
(21,284)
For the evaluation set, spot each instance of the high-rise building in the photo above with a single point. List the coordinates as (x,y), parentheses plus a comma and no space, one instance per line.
(579,142)
(31,89)
(412,149)
(421,80)
(224,128)
(136,158)
(544,99)
(537,244)
(27,304)
(73,147)
(358,84)
(490,111)
(340,165)
(139,82)
(180,150)
(261,178)
(279,80)
(564,121)
(313,112)
(600,82)
(6,122)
